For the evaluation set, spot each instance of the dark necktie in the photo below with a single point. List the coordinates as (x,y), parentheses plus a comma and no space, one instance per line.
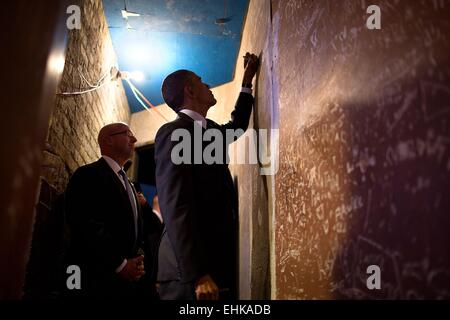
(131,197)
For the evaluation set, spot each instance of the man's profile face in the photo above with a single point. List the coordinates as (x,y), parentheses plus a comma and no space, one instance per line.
(123,140)
(201,91)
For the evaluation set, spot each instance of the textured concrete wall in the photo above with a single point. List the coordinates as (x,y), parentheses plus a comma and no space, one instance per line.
(364,149)
(77,119)
(72,138)
(364,160)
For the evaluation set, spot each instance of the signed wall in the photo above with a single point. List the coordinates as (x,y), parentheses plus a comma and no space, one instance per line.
(364,149)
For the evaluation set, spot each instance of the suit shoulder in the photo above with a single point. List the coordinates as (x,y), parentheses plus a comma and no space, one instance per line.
(171,126)
(212,123)
(87,170)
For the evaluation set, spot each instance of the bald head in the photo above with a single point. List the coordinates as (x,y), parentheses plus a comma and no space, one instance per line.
(108,130)
(116,141)
(173,88)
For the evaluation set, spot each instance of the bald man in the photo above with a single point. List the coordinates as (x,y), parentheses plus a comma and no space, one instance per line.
(104,217)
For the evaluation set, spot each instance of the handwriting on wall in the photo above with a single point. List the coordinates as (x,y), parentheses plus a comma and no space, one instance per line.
(364,150)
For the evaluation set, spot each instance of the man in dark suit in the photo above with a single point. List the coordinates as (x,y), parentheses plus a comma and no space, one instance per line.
(197,254)
(107,239)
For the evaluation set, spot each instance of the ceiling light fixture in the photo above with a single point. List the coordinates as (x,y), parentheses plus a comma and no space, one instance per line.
(126,14)
(134,75)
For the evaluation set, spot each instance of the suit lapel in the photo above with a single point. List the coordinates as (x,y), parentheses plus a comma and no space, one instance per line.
(139,211)
(114,179)
(184,116)
(123,193)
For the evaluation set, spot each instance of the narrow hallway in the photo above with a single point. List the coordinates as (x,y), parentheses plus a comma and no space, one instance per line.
(341,176)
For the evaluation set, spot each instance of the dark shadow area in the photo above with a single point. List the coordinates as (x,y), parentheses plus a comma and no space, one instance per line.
(45,272)
(398,196)
(145,179)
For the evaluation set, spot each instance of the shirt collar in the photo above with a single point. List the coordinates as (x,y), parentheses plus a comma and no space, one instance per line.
(195,116)
(112,164)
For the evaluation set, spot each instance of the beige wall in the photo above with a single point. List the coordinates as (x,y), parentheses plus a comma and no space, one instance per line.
(77,119)
(146,123)
(364,149)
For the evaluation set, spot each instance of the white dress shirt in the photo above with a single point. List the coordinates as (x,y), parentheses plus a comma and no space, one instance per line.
(197,117)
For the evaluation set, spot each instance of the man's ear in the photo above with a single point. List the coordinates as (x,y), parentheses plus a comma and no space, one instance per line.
(108,141)
(188,92)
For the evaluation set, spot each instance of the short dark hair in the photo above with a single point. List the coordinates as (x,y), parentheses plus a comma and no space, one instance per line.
(173,88)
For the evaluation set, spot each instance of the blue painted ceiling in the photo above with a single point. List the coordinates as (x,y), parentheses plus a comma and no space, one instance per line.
(200,35)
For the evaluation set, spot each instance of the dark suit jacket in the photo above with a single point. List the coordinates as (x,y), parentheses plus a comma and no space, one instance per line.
(199,206)
(102,233)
